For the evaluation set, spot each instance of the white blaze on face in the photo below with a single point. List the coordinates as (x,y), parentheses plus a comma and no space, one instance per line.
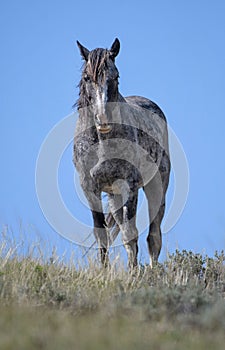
(101,117)
(101,99)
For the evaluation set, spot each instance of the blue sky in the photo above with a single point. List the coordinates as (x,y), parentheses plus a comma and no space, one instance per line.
(171,52)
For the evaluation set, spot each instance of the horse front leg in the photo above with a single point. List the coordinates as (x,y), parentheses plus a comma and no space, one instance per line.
(125,216)
(95,203)
(101,235)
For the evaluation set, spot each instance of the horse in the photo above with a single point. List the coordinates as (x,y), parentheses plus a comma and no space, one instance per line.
(120,146)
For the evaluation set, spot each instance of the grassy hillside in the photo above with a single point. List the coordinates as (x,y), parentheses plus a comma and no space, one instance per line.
(45,304)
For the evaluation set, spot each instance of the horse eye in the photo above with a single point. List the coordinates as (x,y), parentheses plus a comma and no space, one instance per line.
(87,78)
(113,81)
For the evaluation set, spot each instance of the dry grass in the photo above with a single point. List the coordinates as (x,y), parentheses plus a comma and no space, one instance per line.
(47,304)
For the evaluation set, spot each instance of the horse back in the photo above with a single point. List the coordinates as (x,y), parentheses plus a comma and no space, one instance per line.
(145,103)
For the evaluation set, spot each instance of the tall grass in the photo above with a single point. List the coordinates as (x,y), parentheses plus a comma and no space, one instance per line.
(46,303)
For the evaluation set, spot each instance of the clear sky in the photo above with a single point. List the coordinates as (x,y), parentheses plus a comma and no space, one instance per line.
(172,52)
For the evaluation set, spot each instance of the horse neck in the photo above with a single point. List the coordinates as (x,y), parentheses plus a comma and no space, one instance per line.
(121,98)
(84,108)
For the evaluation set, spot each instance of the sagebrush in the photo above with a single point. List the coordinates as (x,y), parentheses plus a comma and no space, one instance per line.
(47,303)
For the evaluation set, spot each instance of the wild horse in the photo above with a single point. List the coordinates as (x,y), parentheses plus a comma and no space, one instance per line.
(120,145)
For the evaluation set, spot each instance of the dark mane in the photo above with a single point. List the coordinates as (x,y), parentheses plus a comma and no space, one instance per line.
(83,100)
(98,63)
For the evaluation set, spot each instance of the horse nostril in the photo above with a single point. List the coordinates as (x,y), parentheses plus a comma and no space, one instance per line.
(101,119)
(102,123)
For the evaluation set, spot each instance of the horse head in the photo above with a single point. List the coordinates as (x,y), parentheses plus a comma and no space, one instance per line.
(99,83)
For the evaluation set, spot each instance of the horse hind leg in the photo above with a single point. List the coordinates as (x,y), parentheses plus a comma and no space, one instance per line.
(154,238)
(155,192)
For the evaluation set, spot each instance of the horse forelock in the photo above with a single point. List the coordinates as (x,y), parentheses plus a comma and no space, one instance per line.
(97,64)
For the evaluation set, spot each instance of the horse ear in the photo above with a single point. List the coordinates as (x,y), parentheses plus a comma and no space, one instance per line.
(83,51)
(115,48)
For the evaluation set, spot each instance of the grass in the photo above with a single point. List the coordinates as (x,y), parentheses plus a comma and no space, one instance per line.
(47,304)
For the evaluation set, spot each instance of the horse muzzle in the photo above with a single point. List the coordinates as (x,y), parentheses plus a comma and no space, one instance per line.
(102,124)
